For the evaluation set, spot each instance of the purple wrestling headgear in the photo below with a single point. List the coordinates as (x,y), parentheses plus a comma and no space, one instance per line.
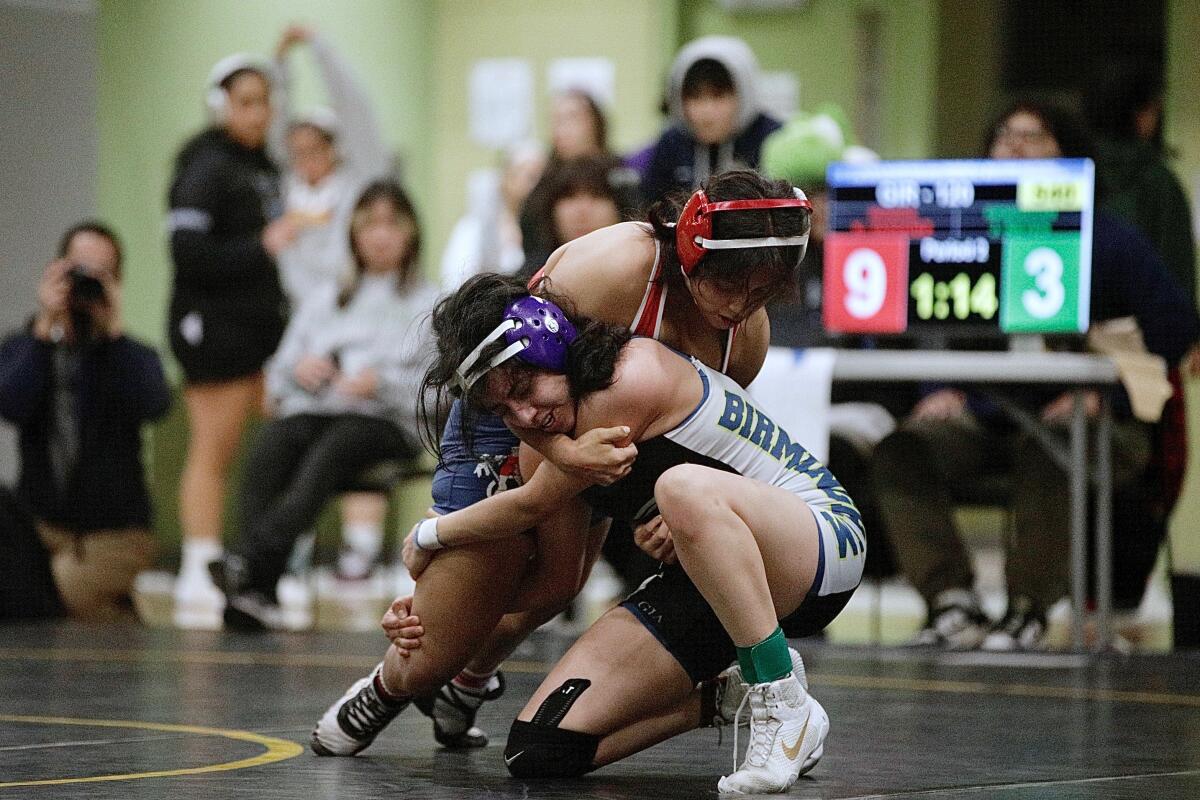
(537,332)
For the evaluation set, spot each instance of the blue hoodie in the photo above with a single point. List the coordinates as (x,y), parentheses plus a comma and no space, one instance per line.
(678,161)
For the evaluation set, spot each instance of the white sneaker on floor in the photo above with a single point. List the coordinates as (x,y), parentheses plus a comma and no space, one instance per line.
(199,604)
(955,622)
(296,600)
(787,738)
(1022,628)
(350,725)
(731,690)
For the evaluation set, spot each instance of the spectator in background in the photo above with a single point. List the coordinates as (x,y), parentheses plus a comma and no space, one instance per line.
(581,200)
(800,152)
(227,308)
(488,237)
(578,130)
(951,438)
(79,390)
(333,152)
(27,589)
(717,122)
(345,384)
(1124,105)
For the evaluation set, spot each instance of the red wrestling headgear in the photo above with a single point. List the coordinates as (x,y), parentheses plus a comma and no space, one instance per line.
(694,230)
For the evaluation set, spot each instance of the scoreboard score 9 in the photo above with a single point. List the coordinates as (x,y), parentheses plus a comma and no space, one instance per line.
(975,243)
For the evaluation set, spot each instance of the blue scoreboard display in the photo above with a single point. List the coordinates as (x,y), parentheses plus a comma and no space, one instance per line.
(994,243)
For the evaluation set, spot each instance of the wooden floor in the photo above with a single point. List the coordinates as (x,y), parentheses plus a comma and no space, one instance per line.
(137,713)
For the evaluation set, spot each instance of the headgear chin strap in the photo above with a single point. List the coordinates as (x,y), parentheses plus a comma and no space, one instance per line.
(693,232)
(535,330)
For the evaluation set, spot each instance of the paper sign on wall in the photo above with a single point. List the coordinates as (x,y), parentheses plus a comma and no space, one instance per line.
(596,76)
(501,101)
(779,94)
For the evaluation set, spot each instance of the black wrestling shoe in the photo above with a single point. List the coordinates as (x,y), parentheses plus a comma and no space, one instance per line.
(246,610)
(348,726)
(1023,627)
(452,709)
(955,622)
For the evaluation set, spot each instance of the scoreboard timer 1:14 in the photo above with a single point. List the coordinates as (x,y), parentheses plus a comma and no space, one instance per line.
(990,243)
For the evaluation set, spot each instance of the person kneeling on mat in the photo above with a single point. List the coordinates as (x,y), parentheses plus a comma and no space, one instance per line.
(760,530)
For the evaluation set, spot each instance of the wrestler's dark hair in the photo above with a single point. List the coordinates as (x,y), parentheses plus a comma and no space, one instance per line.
(463,319)
(734,268)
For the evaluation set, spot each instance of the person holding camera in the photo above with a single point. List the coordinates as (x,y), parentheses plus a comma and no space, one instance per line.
(78,389)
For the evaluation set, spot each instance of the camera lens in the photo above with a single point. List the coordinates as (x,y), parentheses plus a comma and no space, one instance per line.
(84,287)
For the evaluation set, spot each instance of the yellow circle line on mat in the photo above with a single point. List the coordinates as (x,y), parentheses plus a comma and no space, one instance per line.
(276,749)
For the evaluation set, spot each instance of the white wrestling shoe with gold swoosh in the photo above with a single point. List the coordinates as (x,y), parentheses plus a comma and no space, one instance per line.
(787,737)
(731,691)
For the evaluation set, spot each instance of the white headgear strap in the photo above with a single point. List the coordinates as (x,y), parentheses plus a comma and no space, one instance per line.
(466,377)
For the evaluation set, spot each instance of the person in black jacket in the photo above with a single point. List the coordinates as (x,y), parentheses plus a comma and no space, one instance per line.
(79,390)
(717,119)
(227,308)
(952,438)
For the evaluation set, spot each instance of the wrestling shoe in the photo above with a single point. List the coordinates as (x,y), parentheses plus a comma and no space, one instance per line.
(787,738)
(955,622)
(1023,627)
(731,691)
(352,723)
(247,610)
(198,603)
(453,710)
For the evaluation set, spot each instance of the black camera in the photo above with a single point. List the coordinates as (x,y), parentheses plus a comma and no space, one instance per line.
(85,288)
(86,296)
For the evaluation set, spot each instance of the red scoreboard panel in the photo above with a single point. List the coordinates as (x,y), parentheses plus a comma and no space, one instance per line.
(866,282)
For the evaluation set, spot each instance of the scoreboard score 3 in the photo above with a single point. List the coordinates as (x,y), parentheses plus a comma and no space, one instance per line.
(999,244)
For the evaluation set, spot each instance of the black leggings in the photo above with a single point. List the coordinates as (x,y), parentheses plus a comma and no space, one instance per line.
(297,463)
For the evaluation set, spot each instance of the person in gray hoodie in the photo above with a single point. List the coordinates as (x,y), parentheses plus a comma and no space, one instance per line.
(346,385)
(333,152)
(717,122)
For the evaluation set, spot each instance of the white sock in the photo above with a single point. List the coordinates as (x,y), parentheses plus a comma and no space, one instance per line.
(361,543)
(364,538)
(800,674)
(196,555)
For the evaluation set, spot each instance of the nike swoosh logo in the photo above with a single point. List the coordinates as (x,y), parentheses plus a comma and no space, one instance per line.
(508,761)
(794,750)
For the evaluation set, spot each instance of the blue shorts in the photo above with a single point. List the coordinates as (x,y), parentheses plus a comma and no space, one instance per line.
(466,475)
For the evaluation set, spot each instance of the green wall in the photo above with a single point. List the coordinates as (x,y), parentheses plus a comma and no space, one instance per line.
(638,36)
(1183,134)
(415,57)
(154,58)
(818,44)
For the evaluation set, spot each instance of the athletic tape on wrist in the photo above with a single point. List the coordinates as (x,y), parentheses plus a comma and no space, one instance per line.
(427,537)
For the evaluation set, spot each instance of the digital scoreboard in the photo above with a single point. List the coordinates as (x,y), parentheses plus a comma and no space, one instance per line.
(997,244)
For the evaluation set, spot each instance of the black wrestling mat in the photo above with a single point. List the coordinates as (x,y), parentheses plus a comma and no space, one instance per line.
(134,713)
